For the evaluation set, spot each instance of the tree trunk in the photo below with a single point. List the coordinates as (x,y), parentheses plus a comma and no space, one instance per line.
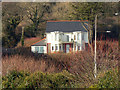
(22,37)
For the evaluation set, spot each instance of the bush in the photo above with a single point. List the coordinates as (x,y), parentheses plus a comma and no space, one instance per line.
(39,80)
(13,79)
(29,31)
(109,80)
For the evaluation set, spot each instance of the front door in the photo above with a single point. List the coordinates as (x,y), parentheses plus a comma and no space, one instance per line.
(67,48)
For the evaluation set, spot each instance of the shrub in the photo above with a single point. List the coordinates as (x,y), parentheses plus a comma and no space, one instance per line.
(39,80)
(109,80)
(46,80)
(80,63)
(13,79)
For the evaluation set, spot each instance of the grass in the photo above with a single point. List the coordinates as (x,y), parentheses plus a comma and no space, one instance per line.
(80,64)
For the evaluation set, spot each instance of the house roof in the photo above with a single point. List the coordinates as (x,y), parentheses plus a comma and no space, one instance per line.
(40,42)
(67,26)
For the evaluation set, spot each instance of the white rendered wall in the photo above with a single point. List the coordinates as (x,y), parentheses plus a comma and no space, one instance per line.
(86,37)
(63,36)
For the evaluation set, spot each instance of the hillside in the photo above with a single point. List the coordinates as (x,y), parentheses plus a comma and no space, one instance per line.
(22,68)
(29,41)
(33,17)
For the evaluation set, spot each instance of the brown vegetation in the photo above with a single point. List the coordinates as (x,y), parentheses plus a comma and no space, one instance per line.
(80,63)
(29,41)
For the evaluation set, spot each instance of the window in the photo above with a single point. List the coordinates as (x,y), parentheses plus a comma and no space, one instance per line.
(60,37)
(36,49)
(78,47)
(41,50)
(52,48)
(56,47)
(60,46)
(55,37)
(82,36)
(67,38)
(78,35)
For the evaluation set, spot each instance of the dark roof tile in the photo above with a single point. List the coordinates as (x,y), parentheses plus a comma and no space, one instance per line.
(67,26)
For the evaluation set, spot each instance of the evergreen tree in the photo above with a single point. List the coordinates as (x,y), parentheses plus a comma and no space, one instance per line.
(10,39)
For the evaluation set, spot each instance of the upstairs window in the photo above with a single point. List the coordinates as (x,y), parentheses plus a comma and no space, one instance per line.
(78,35)
(55,37)
(67,38)
(60,37)
(82,36)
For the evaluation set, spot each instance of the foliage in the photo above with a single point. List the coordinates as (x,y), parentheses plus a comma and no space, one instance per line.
(109,80)
(12,15)
(80,64)
(36,19)
(35,16)
(87,11)
(10,38)
(29,31)
(39,80)
(105,19)
(13,79)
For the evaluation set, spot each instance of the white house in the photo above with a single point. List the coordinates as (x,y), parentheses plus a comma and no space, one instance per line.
(63,36)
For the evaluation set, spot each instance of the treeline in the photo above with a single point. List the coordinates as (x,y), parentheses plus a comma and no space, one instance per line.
(33,17)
